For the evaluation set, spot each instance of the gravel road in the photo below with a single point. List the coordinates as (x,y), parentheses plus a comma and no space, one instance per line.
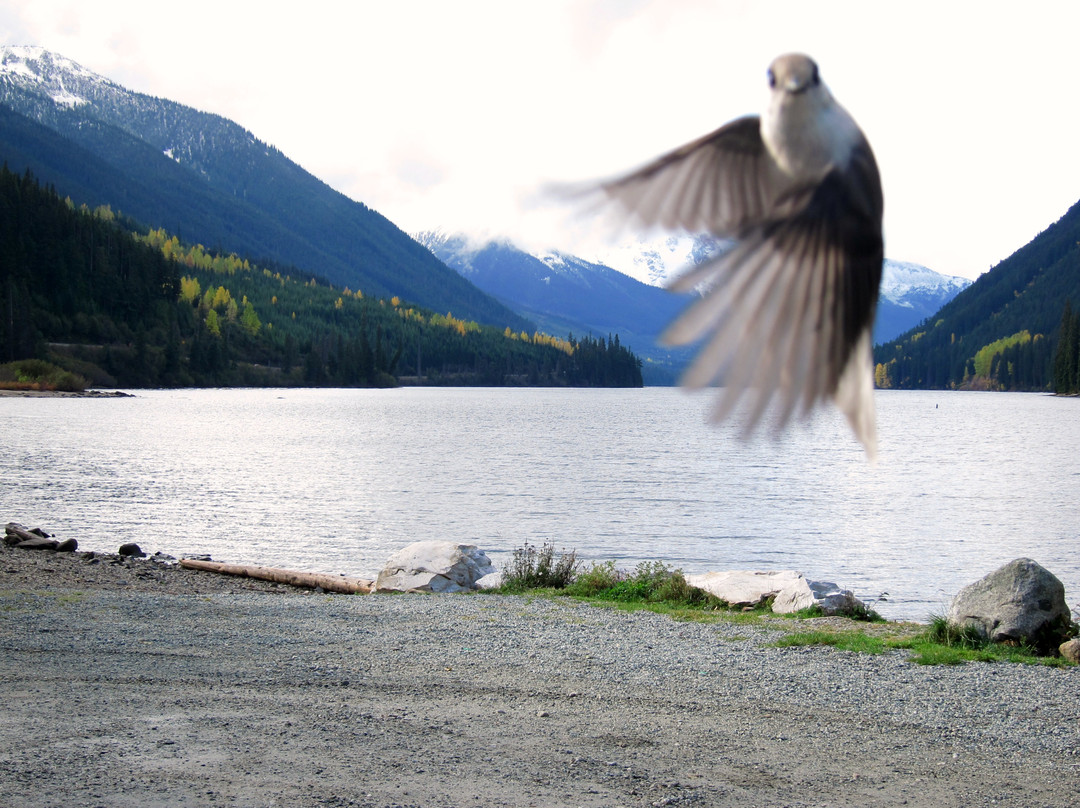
(141,685)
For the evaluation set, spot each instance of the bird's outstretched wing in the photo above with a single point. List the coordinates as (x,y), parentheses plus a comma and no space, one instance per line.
(719,183)
(786,312)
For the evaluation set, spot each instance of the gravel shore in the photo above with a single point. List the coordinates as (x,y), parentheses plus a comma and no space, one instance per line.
(139,684)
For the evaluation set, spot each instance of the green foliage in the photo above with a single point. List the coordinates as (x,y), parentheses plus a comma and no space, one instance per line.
(940,643)
(530,568)
(856,641)
(985,356)
(1022,293)
(599,577)
(1066,379)
(650,582)
(36,374)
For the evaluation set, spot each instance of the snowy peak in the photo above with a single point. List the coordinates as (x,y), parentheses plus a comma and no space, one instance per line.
(902,282)
(656,261)
(910,293)
(48,74)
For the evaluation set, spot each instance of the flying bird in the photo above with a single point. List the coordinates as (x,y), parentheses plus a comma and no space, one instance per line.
(786,311)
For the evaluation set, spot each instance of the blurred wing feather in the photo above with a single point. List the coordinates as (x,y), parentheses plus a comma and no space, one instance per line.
(720,183)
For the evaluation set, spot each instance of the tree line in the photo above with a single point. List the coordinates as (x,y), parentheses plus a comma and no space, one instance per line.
(127,306)
(1066,366)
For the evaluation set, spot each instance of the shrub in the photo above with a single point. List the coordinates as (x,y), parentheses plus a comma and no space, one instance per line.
(37,374)
(531,568)
(598,578)
(651,582)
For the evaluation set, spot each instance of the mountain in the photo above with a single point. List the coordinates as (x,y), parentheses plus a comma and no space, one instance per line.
(909,294)
(118,308)
(1001,331)
(566,294)
(207,179)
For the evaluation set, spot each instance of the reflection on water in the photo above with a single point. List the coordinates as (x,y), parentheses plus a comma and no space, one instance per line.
(337,480)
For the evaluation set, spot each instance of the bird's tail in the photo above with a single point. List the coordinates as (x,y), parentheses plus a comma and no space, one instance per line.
(855,395)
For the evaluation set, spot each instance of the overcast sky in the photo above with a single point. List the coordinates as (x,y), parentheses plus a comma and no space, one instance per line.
(443,113)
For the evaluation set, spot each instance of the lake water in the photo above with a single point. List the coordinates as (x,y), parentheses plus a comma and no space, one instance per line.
(337,480)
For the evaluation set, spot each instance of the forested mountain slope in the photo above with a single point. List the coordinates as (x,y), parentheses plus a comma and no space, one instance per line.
(207,179)
(1002,331)
(143,309)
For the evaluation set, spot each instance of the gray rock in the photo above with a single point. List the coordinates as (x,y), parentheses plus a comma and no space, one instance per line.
(1021,603)
(434,566)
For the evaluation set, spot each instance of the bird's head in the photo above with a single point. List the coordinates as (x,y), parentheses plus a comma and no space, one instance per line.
(793,73)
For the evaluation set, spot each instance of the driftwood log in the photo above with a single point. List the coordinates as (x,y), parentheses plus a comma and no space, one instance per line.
(310,580)
(22,533)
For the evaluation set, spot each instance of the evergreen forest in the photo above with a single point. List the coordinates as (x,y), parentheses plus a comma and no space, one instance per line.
(1066,367)
(1007,331)
(125,306)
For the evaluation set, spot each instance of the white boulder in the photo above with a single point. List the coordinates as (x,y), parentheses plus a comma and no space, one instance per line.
(434,566)
(491,581)
(790,590)
(748,588)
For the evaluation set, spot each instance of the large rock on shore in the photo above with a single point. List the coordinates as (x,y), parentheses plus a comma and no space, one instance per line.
(434,566)
(1021,603)
(748,588)
(790,590)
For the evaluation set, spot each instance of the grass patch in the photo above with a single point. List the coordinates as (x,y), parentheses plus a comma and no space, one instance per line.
(939,643)
(857,641)
(652,582)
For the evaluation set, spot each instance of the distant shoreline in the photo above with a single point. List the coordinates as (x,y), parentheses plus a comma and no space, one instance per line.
(64,394)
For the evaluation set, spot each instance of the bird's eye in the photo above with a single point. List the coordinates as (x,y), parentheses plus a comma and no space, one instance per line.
(772,79)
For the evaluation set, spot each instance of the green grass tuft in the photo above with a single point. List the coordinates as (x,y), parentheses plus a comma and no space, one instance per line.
(856,641)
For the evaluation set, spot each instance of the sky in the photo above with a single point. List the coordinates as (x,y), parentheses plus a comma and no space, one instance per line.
(453,115)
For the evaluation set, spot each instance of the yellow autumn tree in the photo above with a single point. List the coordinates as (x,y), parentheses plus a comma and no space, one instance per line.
(213,324)
(189,289)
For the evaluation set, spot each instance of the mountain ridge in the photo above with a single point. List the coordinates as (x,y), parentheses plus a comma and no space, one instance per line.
(542,285)
(249,197)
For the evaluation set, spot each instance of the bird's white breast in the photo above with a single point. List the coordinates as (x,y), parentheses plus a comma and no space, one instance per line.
(808,133)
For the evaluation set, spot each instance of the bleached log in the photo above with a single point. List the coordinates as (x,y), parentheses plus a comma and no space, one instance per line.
(309,580)
(20,533)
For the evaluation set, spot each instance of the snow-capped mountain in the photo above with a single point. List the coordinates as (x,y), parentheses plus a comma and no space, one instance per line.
(65,82)
(908,284)
(657,260)
(618,290)
(208,179)
(909,292)
(566,294)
